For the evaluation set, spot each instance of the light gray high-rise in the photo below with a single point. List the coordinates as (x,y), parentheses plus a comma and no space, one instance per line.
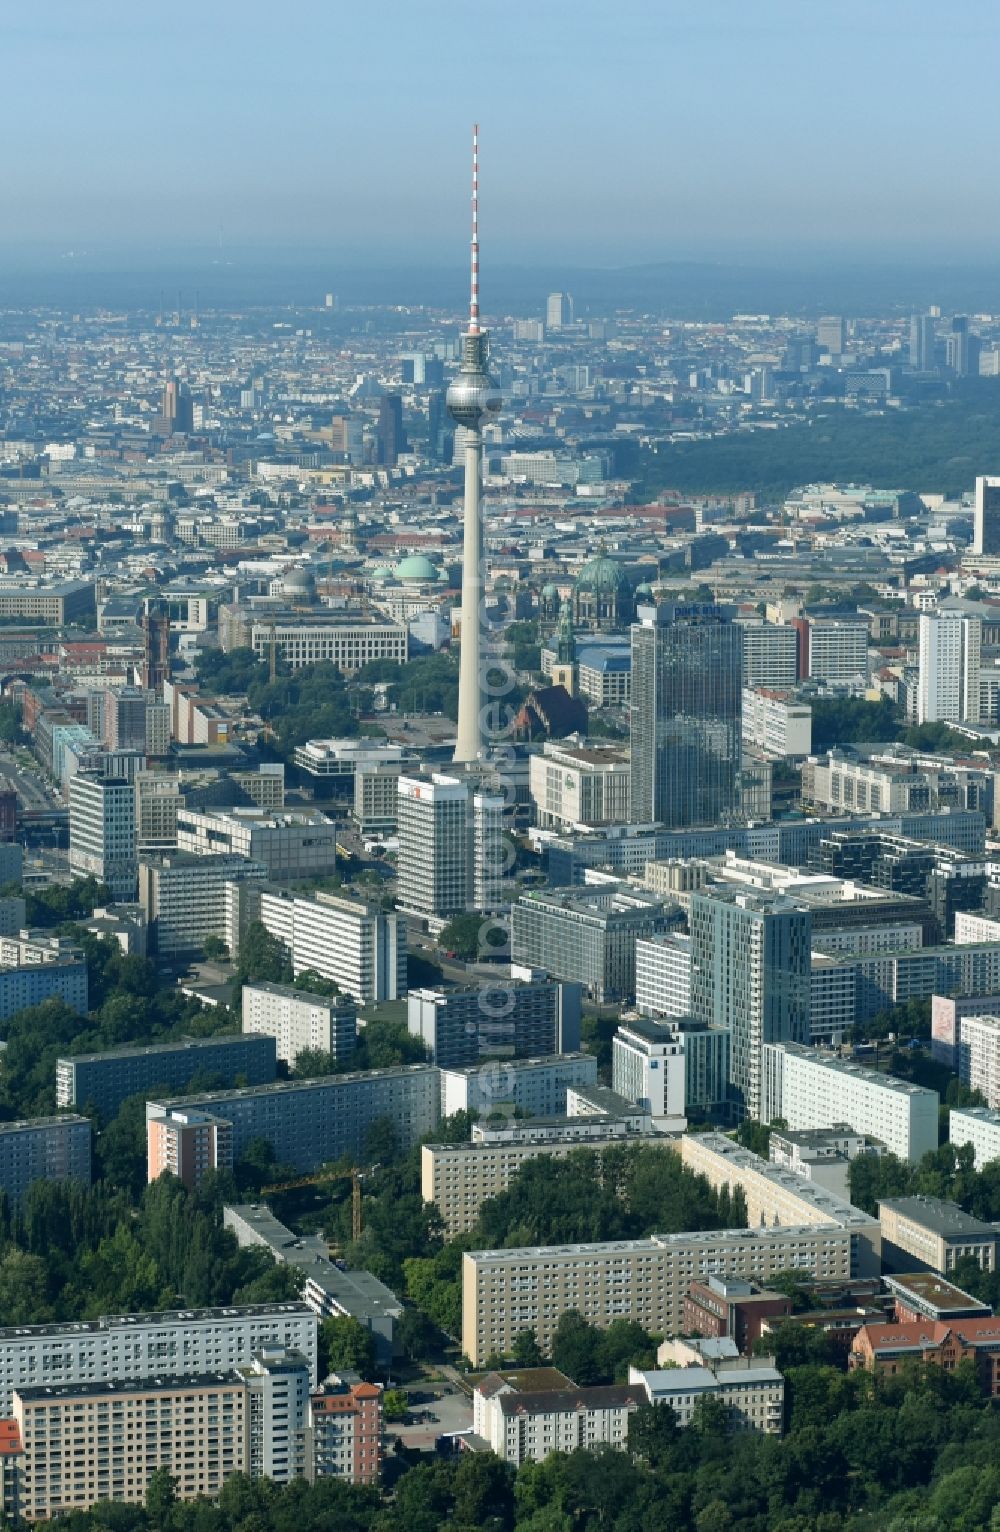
(686,716)
(471,396)
(750,973)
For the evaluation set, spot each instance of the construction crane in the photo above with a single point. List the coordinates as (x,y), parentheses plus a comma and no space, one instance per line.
(353,1175)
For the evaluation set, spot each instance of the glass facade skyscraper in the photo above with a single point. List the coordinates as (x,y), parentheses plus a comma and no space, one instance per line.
(685,716)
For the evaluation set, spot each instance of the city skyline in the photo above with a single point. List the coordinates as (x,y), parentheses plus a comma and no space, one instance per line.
(209,131)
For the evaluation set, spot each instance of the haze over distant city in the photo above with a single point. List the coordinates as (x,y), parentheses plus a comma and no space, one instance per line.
(612,135)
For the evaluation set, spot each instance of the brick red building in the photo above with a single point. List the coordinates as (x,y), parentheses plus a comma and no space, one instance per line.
(729,1306)
(941,1343)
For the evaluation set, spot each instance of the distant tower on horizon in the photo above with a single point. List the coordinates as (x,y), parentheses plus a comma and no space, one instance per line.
(472,395)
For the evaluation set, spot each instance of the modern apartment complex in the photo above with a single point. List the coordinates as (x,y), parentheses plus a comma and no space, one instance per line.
(296,1020)
(136,1346)
(509,1018)
(505,1292)
(310,1121)
(750,973)
(775,723)
(186,1143)
(105,1080)
(814,1090)
(102,842)
(663,975)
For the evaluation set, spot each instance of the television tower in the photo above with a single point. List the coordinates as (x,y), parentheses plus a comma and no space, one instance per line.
(472,395)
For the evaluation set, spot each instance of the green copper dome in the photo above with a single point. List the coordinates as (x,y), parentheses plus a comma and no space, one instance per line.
(416,567)
(602,574)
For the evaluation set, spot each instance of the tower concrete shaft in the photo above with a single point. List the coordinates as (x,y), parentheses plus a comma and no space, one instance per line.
(471,396)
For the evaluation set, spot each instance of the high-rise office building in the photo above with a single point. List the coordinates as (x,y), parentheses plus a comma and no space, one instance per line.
(177,406)
(390,438)
(986,526)
(922,342)
(102,832)
(960,347)
(831,334)
(558,311)
(451,847)
(751,973)
(950,645)
(685,716)
(124,718)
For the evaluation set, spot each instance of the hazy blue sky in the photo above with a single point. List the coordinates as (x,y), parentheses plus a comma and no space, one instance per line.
(612,130)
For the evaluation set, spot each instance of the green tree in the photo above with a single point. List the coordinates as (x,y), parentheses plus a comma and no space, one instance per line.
(161,1495)
(526,1351)
(214,948)
(346,1343)
(262,957)
(395,1404)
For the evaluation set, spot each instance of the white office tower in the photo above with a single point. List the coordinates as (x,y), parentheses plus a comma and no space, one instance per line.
(102,840)
(663,975)
(452,853)
(647,1068)
(471,396)
(948,680)
(986,526)
(558,311)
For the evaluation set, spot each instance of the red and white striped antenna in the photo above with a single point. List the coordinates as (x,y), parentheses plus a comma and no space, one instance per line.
(474,294)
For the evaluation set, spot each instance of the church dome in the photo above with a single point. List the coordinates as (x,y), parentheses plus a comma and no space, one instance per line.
(417,567)
(602,575)
(381,574)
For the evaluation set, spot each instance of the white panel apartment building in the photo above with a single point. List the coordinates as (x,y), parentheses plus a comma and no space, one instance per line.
(536,1086)
(972,927)
(813,1090)
(770,655)
(299,1020)
(977,1055)
(663,975)
(647,1068)
(646,1280)
(978,1126)
(360,947)
(777,1197)
(775,723)
(136,1346)
(950,645)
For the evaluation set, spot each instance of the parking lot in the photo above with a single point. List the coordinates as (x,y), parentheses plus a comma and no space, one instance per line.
(451,1412)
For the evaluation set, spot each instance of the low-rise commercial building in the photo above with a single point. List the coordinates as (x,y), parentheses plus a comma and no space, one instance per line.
(814,1090)
(587,935)
(105,1080)
(505,1292)
(576,783)
(751,1390)
(291,846)
(731,1308)
(933,1235)
(297,1020)
(330,1290)
(888,1349)
(821,1155)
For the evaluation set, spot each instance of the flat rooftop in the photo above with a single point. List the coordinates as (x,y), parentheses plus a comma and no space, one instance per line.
(151,1050)
(927,1288)
(13,1333)
(944,1218)
(848,1067)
